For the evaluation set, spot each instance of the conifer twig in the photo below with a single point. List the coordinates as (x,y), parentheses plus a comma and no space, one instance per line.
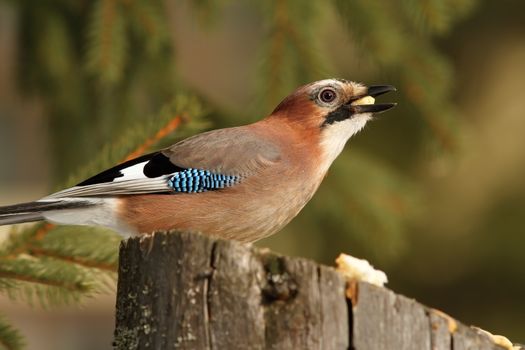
(10,338)
(277,48)
(75,287)
(38,235)
(108,17)
(36,251)
(42,232)
(171,126)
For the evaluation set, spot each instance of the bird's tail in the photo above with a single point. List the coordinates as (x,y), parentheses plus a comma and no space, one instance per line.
(33,211)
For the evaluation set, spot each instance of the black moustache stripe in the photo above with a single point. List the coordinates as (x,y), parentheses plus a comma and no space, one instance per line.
(341,113)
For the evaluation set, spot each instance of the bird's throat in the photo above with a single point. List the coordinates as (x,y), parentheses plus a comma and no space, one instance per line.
(335,136)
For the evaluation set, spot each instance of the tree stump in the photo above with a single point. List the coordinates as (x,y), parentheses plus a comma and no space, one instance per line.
(188,291)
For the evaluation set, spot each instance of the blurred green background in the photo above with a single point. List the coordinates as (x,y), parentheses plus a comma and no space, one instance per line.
(432,192)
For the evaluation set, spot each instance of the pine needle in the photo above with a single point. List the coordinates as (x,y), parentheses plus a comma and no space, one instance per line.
(107,41)
(10,338)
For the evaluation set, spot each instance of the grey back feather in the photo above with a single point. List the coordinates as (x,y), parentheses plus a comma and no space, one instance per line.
(233,151)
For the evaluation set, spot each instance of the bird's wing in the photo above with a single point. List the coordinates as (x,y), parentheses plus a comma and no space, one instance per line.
(208,161)
(234,151)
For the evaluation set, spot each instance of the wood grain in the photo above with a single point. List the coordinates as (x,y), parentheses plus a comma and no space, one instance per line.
(187,291)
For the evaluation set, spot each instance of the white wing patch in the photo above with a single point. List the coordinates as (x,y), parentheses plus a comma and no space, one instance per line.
(132,172)
(131,181)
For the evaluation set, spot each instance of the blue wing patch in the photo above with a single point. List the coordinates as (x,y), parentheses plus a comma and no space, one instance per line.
(197,180)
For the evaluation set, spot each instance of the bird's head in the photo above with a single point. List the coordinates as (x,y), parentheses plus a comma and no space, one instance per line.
(332,110)
(332,102)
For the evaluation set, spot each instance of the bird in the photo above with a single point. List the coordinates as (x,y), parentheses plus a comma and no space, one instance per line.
(241,183)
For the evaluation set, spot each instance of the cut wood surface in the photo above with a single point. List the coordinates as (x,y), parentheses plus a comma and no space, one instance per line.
(188,291)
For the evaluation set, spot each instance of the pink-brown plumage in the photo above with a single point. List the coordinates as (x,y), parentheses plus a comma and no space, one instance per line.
(273,168)
(257,207)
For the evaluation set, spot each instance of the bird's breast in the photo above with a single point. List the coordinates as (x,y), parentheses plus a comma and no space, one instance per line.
(256,207)
(259,205)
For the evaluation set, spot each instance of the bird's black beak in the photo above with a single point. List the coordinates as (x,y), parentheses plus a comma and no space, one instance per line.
(378,90)
(373,91)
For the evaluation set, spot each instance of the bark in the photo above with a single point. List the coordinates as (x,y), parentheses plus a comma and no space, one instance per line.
(187,291)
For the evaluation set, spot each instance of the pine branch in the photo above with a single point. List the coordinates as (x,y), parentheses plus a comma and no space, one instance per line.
(39,252)
(147,20)
(56,52)
(162,133)
(399,43)
(10,338)
(107,41)
(435,16)
(54,274)
(276,51)
(50,281)
(74,287)
(81,246)
(372,25)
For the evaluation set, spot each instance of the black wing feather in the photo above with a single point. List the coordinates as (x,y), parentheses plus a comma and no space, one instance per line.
(160,165)
(157,165)
(38,206)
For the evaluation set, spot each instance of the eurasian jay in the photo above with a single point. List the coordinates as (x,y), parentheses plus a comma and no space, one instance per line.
(241,183)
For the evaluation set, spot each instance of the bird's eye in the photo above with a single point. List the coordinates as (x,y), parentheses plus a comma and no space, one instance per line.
(327,95)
